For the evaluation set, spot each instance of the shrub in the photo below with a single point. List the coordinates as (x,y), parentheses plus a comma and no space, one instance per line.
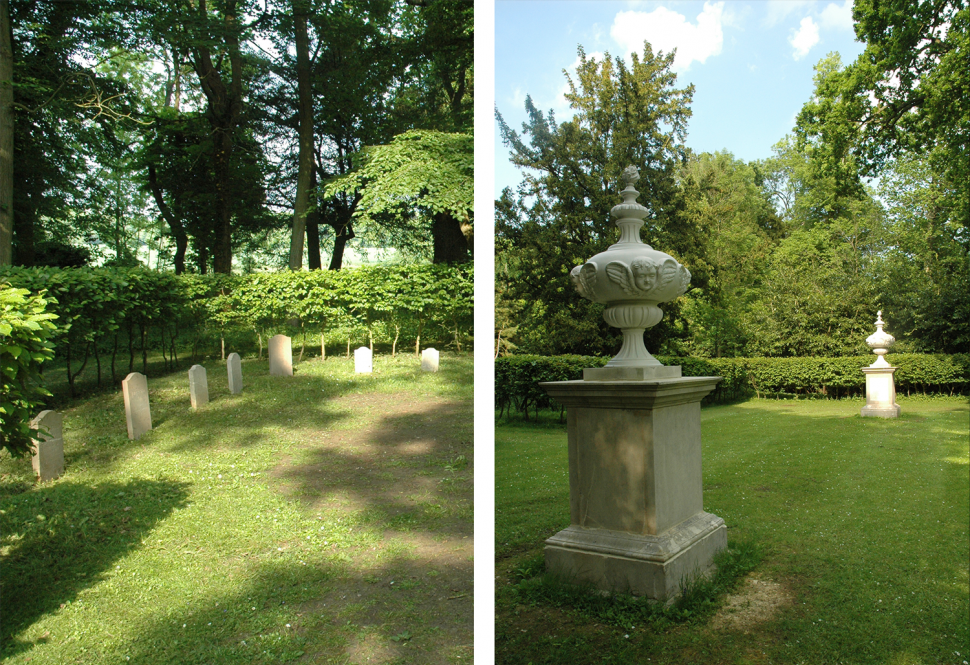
(25,329)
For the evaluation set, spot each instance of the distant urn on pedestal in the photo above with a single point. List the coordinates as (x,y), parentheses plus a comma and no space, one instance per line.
(880,387)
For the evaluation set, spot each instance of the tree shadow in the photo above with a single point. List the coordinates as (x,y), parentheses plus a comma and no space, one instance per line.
(63,538)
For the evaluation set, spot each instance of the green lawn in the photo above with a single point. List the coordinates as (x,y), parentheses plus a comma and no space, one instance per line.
(863,525)
(324,517)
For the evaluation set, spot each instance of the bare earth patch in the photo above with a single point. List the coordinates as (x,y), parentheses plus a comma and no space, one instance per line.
(758,601)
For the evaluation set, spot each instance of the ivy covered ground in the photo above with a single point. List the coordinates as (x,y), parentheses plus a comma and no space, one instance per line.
(324,517)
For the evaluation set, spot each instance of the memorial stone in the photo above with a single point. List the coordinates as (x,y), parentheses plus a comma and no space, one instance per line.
(234,365)
(48,457)
(637,522)
(280,356)
(880,386)
(137,410)
(429,360)
(363,361)
(198,386)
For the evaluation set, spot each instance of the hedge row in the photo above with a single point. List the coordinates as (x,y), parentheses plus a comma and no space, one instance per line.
(517,378)
(107,314)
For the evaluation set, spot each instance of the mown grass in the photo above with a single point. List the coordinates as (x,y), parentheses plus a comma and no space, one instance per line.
(864,522)
(324,517)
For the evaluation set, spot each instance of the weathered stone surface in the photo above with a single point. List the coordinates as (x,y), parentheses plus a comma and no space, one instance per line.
(880,393)
(363,361)
(635,486)
(429,360)
(137,410)
(48,457)
(280,356)
(234,366)
(198,386)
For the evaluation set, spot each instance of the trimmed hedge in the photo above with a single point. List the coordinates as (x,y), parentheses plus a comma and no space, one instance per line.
(107,314)
(517,377)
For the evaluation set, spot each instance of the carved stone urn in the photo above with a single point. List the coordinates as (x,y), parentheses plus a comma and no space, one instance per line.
(880,342)
(632,279)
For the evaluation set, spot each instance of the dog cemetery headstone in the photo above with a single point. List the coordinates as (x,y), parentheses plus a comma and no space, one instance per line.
(880,386)
(198,386)
(637,520)
(234,365)
(280,356)
(48,457)
(137,411)
(363,360)
(429,360)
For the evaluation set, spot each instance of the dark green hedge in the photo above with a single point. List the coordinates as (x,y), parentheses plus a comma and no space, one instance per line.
(517,377)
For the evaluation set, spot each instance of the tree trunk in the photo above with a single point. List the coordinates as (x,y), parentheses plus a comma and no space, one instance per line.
(305,113)
(6,135)
(178,230)
(313,226)
(450,245)
(344,233)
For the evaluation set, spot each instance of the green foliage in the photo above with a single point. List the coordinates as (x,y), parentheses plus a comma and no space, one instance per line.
(517,378)
(25,329)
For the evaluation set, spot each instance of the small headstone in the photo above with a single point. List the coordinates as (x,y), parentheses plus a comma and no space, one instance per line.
(137,411)
(363,361)
(234,364)
(48,459)
(198,386)
(280,356)
(429,360)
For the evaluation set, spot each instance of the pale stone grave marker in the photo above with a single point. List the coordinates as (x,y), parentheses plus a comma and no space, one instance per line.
(234,365)
(198,386)
(48,458)
(137,410)
(280,356)
(429,360)
(363,361)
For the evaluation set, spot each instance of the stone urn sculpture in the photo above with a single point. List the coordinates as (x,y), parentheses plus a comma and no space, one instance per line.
(636,498)
(880,386)
(631,278)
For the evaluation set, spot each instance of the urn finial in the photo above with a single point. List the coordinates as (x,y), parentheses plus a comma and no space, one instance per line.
(880,342)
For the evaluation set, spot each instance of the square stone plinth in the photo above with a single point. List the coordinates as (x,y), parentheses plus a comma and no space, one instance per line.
(880,393)
(635,485)
(644,565)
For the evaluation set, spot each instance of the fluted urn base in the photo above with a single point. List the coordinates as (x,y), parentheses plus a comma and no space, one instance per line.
(632,320)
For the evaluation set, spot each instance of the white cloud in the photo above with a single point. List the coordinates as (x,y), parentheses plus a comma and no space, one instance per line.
(804,38)
(778,10)
(837,17)
(667,30)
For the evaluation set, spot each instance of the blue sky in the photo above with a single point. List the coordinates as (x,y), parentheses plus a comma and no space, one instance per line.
(751,62)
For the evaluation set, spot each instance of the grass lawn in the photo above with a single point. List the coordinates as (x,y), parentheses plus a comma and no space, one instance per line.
(320,518)
(863,525)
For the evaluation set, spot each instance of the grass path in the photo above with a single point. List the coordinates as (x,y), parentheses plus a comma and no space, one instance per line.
(864,523)
(323,518)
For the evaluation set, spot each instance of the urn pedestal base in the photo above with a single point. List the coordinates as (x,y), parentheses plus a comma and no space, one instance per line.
(637,522)
(880,393)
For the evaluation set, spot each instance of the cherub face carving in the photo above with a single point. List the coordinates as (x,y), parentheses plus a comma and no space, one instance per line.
(644,274)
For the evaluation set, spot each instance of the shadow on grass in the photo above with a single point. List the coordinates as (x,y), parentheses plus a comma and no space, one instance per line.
(63,538)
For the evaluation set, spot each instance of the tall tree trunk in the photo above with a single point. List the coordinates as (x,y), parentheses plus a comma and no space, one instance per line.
(344,233)
(450,245)
(6,135)
(178,230)
(313,226)
(305,112)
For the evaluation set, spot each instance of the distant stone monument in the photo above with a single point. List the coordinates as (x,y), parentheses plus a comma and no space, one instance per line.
(429,360)
(363,360)
(880,386)
(637,520)
(48,457)
(137,410)
(234,365)
(198,386)
(280,356)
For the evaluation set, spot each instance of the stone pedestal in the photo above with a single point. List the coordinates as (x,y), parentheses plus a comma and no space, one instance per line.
(880,393)
(637,522)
